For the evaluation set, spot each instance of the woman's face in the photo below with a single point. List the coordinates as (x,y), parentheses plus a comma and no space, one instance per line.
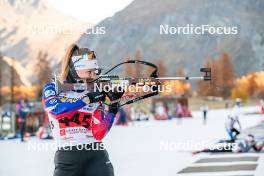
(87,74)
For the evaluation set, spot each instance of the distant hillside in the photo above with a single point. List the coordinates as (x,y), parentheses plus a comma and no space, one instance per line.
(137,27)
(30,26)
(6,73)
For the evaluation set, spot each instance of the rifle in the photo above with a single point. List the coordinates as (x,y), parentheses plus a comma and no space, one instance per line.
(115,80)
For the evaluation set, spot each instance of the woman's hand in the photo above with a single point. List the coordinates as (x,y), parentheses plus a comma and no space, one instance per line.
(114,95)
(94,97)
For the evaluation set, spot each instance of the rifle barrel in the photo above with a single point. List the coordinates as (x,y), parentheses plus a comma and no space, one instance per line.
(181,78)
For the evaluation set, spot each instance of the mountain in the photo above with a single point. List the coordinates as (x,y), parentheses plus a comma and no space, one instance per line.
(30,26)
(137,27)
(6,65)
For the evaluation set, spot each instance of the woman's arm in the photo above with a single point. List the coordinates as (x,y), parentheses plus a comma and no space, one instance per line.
(103,120)
(52,104)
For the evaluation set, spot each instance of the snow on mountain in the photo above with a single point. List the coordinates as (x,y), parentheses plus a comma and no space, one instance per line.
(30,26)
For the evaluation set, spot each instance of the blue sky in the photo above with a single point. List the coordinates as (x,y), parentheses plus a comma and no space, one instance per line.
(91,11)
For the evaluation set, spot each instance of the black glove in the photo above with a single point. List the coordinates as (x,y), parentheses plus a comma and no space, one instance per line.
(114,95)
(94,97)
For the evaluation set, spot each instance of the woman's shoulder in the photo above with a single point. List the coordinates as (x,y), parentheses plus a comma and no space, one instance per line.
(49,89)
(49,85)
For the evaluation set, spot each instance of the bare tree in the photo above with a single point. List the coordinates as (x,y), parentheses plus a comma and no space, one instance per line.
(161,67)
(43,71)
(180,72)
(227,75)
(129,70)
(138,69)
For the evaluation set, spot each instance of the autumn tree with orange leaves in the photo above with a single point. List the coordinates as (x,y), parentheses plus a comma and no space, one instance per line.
(223,78)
